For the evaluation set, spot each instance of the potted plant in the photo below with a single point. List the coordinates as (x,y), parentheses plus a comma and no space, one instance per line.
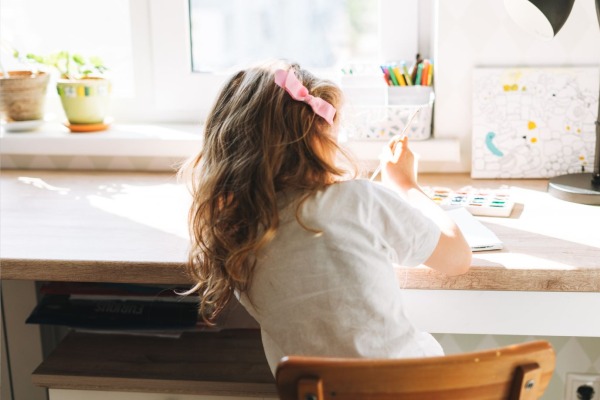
(83,89)
(22,98)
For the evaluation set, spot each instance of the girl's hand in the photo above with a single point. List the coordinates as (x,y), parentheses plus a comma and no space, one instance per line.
(452,255)
(398,164)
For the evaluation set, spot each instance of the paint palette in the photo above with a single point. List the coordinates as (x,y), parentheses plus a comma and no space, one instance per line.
(481,202)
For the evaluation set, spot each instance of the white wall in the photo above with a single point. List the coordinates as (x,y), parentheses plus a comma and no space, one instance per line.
(473,33)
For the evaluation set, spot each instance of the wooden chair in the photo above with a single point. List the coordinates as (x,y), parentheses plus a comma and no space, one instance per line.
(520,371)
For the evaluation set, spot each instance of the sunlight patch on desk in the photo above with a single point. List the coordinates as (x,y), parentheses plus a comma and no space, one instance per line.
(41,184)
(154,206)
(552,217)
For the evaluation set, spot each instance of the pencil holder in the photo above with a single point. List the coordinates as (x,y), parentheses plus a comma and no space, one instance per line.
(381,122)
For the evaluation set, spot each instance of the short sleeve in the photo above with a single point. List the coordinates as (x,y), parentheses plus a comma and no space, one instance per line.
(404,230)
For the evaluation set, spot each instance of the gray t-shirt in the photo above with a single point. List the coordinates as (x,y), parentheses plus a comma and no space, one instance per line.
(335,293)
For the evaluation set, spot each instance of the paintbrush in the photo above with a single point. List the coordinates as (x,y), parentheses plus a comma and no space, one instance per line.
(408,122)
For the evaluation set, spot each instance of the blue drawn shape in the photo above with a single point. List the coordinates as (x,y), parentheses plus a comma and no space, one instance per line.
(491,146)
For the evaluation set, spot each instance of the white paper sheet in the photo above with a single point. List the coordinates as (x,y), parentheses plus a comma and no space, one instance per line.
(479,237)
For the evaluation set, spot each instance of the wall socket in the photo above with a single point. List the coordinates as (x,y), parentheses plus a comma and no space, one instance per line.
(575,381)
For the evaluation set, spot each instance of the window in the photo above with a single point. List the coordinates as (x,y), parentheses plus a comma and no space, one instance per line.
(316,33)
(388,29)
(80,26)
(153,47)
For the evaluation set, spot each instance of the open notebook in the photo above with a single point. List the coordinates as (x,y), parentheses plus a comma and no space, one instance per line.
(478,236)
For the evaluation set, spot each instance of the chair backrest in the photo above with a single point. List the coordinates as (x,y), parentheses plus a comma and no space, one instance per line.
(520,371)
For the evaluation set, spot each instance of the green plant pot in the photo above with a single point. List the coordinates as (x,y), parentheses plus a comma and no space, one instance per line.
(85,101)
(22,95)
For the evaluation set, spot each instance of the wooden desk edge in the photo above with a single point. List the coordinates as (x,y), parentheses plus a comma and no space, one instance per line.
(148,272)
(478,278)
(502,279)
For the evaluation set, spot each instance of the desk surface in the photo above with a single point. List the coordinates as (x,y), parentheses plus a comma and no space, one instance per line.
(131,227)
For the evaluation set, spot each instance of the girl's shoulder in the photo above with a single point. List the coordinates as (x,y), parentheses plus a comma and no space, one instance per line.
(352,188)
(357,191)
(361,188)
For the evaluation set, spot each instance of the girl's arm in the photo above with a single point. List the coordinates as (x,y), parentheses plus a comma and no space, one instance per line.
(452,255)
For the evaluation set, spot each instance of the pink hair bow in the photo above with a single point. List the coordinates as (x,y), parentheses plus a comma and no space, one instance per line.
(288,81)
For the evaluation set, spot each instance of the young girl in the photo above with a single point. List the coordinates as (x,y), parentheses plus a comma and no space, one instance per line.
(309,255)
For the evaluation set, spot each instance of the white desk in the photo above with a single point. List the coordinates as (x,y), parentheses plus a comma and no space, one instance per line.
(131,227)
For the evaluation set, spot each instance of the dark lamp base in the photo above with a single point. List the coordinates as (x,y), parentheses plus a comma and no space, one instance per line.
(576,188)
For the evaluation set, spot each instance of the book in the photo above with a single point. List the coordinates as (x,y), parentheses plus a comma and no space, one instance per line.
(111,289)
(114,314)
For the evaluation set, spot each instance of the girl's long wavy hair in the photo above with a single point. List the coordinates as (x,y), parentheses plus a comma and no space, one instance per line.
(258,143)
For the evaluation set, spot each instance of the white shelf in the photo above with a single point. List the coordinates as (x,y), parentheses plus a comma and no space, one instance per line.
(128,140)
(176,141)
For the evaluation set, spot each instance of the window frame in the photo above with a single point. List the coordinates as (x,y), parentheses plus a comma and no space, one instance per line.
(171,56)
(165,88)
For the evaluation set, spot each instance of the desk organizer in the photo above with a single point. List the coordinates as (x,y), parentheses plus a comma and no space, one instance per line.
(382,121)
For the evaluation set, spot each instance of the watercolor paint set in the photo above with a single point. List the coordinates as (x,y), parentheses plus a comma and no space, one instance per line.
(480,202)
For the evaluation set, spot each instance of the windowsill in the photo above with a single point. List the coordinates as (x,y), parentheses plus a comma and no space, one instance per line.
(127,140)
(173,141)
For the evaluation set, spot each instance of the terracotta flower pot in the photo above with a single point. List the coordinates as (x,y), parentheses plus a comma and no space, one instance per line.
(85,101)
(22,95)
